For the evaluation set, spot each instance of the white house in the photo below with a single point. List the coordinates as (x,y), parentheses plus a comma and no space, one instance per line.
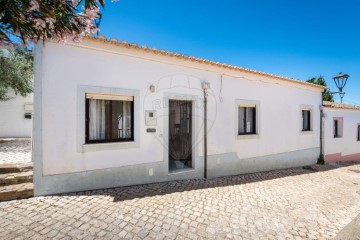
(16,116)
(110,114)
(341,132)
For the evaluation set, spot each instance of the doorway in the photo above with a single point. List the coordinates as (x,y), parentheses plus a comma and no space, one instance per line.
(180,135)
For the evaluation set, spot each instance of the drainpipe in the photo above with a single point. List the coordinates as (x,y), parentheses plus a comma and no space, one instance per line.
(321,157)
(321,130)
(205,86)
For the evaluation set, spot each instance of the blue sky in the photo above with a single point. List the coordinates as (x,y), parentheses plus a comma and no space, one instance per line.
(297,39)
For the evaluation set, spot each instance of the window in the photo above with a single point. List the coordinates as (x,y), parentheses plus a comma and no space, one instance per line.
(338,127)
(358,132)
(306,115)
(109,118)
(247,120)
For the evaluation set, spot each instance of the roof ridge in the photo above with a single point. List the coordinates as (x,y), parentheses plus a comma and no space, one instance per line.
(196,59)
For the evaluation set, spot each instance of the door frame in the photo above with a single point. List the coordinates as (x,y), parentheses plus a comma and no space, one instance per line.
(194,138)
(179,106)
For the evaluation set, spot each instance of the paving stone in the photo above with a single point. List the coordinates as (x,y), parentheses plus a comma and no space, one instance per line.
(15,150)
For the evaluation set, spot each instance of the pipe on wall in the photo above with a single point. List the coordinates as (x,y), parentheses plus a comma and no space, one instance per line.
(205,86)
(321,130)
(205,132)
(321,157)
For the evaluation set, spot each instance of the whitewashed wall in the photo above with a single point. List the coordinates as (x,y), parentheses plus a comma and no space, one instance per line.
(12,120)
(347,147)
(63,69)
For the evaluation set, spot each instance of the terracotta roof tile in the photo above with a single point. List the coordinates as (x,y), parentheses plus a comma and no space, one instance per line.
(199,60)
(340,105)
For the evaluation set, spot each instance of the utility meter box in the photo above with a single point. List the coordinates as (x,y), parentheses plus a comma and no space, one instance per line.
(150,118)
(28,107)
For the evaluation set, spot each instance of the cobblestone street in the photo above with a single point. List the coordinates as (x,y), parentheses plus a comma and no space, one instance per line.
(15,150)
(286,204)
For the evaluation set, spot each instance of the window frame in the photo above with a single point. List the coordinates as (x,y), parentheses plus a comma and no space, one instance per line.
(87,120)
(304,107)
(338,129)
(358,132)
(245,118)
(247,103)
(309,117)
(81,146)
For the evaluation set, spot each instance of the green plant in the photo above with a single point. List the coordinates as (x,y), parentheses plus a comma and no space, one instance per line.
(321,159)
(16,72)
(57,20)
(327,96)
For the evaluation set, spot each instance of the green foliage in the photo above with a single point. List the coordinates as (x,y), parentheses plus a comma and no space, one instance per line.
(16,72)
(321,160)
(327,96)
(58,20)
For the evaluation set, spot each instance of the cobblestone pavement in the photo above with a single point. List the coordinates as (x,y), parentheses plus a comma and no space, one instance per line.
(351,231)
(297,203)
(15,150)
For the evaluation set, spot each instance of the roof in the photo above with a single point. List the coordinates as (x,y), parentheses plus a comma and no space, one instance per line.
(144,48)
(340,105)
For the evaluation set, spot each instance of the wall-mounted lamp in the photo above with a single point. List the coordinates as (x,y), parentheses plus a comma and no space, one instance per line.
(152,88)
(205,85)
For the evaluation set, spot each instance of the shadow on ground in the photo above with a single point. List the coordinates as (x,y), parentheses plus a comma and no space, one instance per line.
(163,188)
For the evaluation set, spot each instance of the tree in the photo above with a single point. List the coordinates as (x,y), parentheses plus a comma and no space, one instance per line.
(58,20)
(327,96)
(16,72)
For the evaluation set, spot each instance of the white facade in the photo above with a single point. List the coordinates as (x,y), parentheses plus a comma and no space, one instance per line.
(346,145)
(65,73)
(12,116)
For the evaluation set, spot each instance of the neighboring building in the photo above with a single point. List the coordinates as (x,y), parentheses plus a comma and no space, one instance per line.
(16,116)
(341,132)
(110,114)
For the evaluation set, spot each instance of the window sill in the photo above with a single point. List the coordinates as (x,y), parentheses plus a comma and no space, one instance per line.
(92,147)
(247,136)
(307,132)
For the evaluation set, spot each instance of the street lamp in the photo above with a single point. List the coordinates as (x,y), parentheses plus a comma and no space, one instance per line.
(340,82)
(97,24)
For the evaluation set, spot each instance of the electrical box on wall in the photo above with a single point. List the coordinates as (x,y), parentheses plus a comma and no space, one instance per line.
(28,107)
(28,115)
(150,118)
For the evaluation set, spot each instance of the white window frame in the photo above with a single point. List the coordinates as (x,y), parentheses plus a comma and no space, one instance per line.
(109,97)
(340,127)
(306,108)
(247,103)
(81,146)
